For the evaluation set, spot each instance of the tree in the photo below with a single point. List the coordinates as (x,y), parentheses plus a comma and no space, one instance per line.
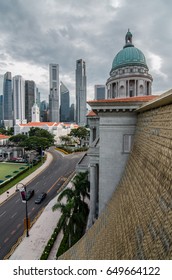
(79,133)
(18,139)
(82,185)
(42,133)
(34,143)
(9,131)
(66,139)
(74,213)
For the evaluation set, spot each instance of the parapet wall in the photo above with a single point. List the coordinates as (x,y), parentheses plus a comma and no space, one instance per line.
(137,222)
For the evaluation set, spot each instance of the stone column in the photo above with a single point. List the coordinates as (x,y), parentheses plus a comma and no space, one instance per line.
(93,188)
(134,87)
(91,135)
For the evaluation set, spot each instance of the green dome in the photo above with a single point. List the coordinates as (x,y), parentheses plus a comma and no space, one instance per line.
(129,55)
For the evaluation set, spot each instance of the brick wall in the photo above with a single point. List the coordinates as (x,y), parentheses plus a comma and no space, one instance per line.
(137,222)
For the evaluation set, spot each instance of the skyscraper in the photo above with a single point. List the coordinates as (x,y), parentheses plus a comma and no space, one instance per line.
(38,98)
(1,99)
(1,110)
(81,92)
(29,99)
(44,111)
(99,92)
(64,108)
(7,100)
(19,99)
(54,93)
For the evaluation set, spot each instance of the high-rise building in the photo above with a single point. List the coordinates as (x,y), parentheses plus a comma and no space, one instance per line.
(1,110)
(64,108)
(54,93)
(72,113)
(38,98)
(81,92)
(29,99)
(19,99)
(1,84)
(44,111)
(7,100)
(99,92)
(1,99)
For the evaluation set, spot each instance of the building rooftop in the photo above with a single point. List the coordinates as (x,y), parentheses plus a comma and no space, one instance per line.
(2,136)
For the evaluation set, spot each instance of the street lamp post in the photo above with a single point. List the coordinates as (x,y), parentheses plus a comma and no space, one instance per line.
(22,190)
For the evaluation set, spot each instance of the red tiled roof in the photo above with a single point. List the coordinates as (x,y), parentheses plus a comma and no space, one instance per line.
(91,114)
(38,124)
(4,136)
(144,98)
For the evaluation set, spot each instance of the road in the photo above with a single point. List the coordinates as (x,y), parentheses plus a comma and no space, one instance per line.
(13,211)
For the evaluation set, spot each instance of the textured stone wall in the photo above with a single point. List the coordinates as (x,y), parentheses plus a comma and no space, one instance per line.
(137,222)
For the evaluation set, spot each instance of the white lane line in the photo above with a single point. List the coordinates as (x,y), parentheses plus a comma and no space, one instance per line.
(17,200)
(14,215)
(36,191)
(36,183)
(2,213)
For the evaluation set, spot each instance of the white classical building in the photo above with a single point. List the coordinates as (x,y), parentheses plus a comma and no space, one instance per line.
(112,123)
(57,129)
(4,139)
(129,75)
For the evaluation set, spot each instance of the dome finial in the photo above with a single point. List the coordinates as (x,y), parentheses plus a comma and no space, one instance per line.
(128,39)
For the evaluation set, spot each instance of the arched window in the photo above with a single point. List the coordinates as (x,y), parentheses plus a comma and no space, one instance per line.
(121,91)
(141,90)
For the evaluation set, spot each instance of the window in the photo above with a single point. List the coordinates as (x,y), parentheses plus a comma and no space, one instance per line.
(127,143)
(54,73)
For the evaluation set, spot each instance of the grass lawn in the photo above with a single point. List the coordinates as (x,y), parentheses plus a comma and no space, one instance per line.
(8,170)
(20,177)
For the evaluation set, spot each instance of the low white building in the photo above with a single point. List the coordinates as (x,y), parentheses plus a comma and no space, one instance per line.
(4,139)
(57,129)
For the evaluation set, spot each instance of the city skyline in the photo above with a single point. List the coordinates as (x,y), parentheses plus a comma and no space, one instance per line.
(72,30)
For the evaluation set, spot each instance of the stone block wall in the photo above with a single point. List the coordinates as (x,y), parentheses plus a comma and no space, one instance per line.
(137,222)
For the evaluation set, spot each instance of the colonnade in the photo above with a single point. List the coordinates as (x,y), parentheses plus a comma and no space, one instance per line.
(129,88)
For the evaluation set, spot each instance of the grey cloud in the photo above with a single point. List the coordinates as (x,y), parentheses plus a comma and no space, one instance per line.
(42,32)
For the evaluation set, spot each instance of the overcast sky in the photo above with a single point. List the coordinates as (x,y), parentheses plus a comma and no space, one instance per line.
(35,33)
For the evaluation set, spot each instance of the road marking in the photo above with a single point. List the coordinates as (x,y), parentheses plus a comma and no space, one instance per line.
(2,213)
(14,215)
(19,225)
(17,200)
(6,239)
(36,191)
(13,232)
(36,183)
(53,185)
(33,208)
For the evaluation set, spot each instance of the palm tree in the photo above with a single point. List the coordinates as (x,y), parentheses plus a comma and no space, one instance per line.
(75,212)
(82,185)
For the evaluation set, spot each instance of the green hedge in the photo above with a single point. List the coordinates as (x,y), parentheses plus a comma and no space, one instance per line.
(50,244)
